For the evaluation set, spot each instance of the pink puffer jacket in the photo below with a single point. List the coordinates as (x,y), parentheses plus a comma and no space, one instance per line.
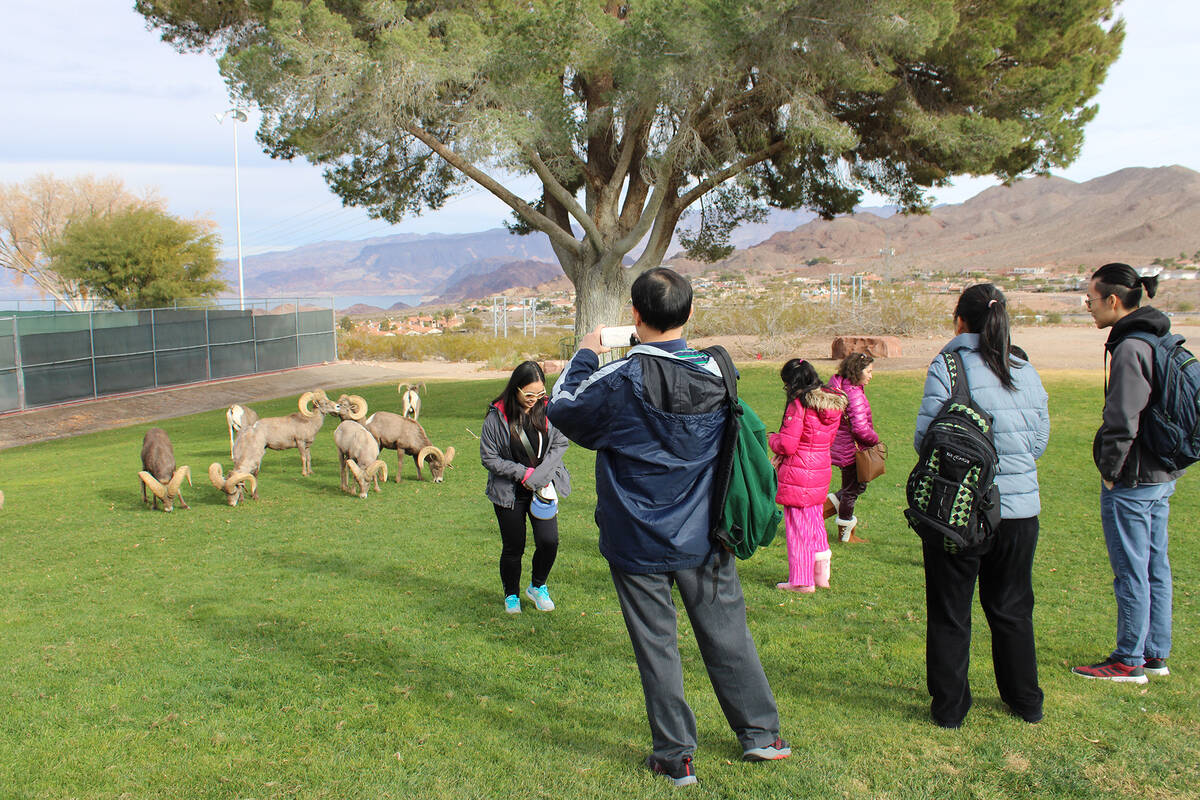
(856,427)
(803,441)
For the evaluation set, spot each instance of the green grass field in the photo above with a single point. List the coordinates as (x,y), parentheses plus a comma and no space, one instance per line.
(315,645)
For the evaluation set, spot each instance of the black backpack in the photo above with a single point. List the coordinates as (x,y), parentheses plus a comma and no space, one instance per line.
(952,493)
(1170,425)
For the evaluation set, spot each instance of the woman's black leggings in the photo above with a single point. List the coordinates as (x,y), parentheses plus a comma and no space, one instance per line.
(512,534)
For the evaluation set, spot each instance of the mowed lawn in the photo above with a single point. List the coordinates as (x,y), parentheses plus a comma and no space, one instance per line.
(315,645)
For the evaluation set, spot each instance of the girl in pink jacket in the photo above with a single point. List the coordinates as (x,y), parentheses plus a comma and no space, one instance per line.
(801,449)
(856,431)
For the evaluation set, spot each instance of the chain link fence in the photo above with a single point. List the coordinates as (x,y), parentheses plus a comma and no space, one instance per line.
(55,357)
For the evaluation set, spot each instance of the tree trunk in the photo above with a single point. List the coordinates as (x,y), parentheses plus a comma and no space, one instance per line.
(601,298)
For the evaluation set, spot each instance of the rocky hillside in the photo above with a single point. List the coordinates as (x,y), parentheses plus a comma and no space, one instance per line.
(1132,215)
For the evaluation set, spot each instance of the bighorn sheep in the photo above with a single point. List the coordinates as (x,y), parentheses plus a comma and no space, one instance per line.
(159,473)
(399,433)
(359,453)
(299,429)
(352,407)
(410,400)
(239,418)
(247,458)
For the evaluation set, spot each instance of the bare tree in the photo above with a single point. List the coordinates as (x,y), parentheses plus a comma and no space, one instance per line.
(34,214)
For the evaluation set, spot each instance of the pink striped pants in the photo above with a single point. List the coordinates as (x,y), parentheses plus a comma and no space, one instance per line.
(806,538)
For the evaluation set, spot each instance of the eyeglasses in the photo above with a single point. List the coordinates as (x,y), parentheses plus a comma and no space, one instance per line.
(1087,301)
(534,396)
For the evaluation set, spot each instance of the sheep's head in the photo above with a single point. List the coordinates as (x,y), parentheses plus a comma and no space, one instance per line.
(365,476)
(170,491)
(438,460)
(352,406)
(319,402)
(235,485)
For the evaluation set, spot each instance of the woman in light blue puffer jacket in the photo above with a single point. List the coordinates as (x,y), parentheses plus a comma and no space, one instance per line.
(1009,389)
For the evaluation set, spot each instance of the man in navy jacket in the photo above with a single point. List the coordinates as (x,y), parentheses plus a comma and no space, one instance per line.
(655,420)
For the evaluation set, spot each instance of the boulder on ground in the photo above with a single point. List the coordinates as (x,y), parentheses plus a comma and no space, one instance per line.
(552,366)
(877,346)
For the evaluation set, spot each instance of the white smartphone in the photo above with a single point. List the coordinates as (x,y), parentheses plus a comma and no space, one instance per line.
(619,336)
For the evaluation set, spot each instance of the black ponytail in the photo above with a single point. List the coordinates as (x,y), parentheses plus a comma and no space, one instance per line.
(985,311)
(1123,281)
(799,378)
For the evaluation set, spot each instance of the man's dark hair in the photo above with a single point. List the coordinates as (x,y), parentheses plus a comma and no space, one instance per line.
(663,298)
(1124,281)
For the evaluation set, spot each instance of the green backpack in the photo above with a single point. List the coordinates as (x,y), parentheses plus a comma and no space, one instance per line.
(745,516)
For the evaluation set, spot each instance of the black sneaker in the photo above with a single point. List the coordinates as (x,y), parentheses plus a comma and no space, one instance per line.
(681,773)
(773,752)
(1156,666)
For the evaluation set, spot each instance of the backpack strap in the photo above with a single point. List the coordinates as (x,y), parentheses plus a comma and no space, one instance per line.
(960,388)
(729,440)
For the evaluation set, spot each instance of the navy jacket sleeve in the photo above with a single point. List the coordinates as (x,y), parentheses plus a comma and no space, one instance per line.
(581,404)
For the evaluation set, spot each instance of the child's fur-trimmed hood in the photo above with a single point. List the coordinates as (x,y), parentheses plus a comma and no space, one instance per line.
(824,399)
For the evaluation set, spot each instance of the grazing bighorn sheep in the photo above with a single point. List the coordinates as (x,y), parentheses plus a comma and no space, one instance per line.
(298,429)
(359,453)
(247,458)
(352,407)
(410,399)
(395,432)
(159,474)
(239,418)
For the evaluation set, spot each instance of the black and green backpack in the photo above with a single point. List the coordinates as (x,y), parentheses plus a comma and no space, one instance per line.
(952,492)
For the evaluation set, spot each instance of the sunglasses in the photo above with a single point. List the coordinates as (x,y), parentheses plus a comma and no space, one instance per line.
(533,396)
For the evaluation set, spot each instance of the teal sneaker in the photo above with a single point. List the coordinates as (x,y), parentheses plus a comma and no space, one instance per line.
(512,604)
(540,596)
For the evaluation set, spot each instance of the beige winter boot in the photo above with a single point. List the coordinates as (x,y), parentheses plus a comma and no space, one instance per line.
(846,530)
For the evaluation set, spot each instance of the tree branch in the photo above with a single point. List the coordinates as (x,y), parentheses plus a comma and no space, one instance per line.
(560,193)
(737,167)
(535,218)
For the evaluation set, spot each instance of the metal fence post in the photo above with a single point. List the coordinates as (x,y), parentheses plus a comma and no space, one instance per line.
(154,346)
(16,329)
(297,334)
(254,336)
(92,346)
(207,346)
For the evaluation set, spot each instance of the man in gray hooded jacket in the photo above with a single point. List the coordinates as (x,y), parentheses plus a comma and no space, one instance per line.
(1137,486)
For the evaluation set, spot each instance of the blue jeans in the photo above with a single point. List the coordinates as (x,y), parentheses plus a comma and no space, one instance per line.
(1135,532)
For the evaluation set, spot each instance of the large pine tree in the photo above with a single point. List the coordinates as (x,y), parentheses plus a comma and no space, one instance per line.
(633,114)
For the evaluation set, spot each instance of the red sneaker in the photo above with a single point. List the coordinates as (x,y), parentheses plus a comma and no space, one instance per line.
(1112,670)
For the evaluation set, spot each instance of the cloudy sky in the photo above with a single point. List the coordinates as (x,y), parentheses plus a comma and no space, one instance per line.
(87,89)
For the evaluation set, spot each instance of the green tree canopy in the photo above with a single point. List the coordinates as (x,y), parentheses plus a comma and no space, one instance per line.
(635,114)
(139,258)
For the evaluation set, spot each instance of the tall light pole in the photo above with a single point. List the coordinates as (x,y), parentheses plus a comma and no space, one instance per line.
(237,116)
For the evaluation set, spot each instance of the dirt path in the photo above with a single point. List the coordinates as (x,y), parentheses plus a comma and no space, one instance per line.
(1065,347)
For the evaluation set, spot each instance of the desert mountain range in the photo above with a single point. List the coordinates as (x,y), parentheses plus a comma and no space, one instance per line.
(1134,215)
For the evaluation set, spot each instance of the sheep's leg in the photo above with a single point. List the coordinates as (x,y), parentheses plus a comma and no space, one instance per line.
(399,462)
(142,483)
(182,503)
(342,459)
(305,462)
(418,463)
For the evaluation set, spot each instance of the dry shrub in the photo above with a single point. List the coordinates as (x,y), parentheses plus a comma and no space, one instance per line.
(497,352)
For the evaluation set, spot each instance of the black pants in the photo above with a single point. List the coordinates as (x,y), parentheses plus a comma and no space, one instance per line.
(512,536)
(852,487)
(1004,567)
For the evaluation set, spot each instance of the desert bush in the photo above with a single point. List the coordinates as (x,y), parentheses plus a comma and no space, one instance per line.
(478,346)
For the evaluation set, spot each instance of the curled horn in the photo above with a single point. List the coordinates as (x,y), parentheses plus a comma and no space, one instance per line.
(216,476)
(377,468)
(237,477)
(427,451)
(401,388)
(305,400)
(357,406)
(153,485)
(448,457)
(177,480)
(355,469)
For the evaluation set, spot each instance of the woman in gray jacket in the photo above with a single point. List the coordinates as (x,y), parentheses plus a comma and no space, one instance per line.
(1010,390)
(523,454)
